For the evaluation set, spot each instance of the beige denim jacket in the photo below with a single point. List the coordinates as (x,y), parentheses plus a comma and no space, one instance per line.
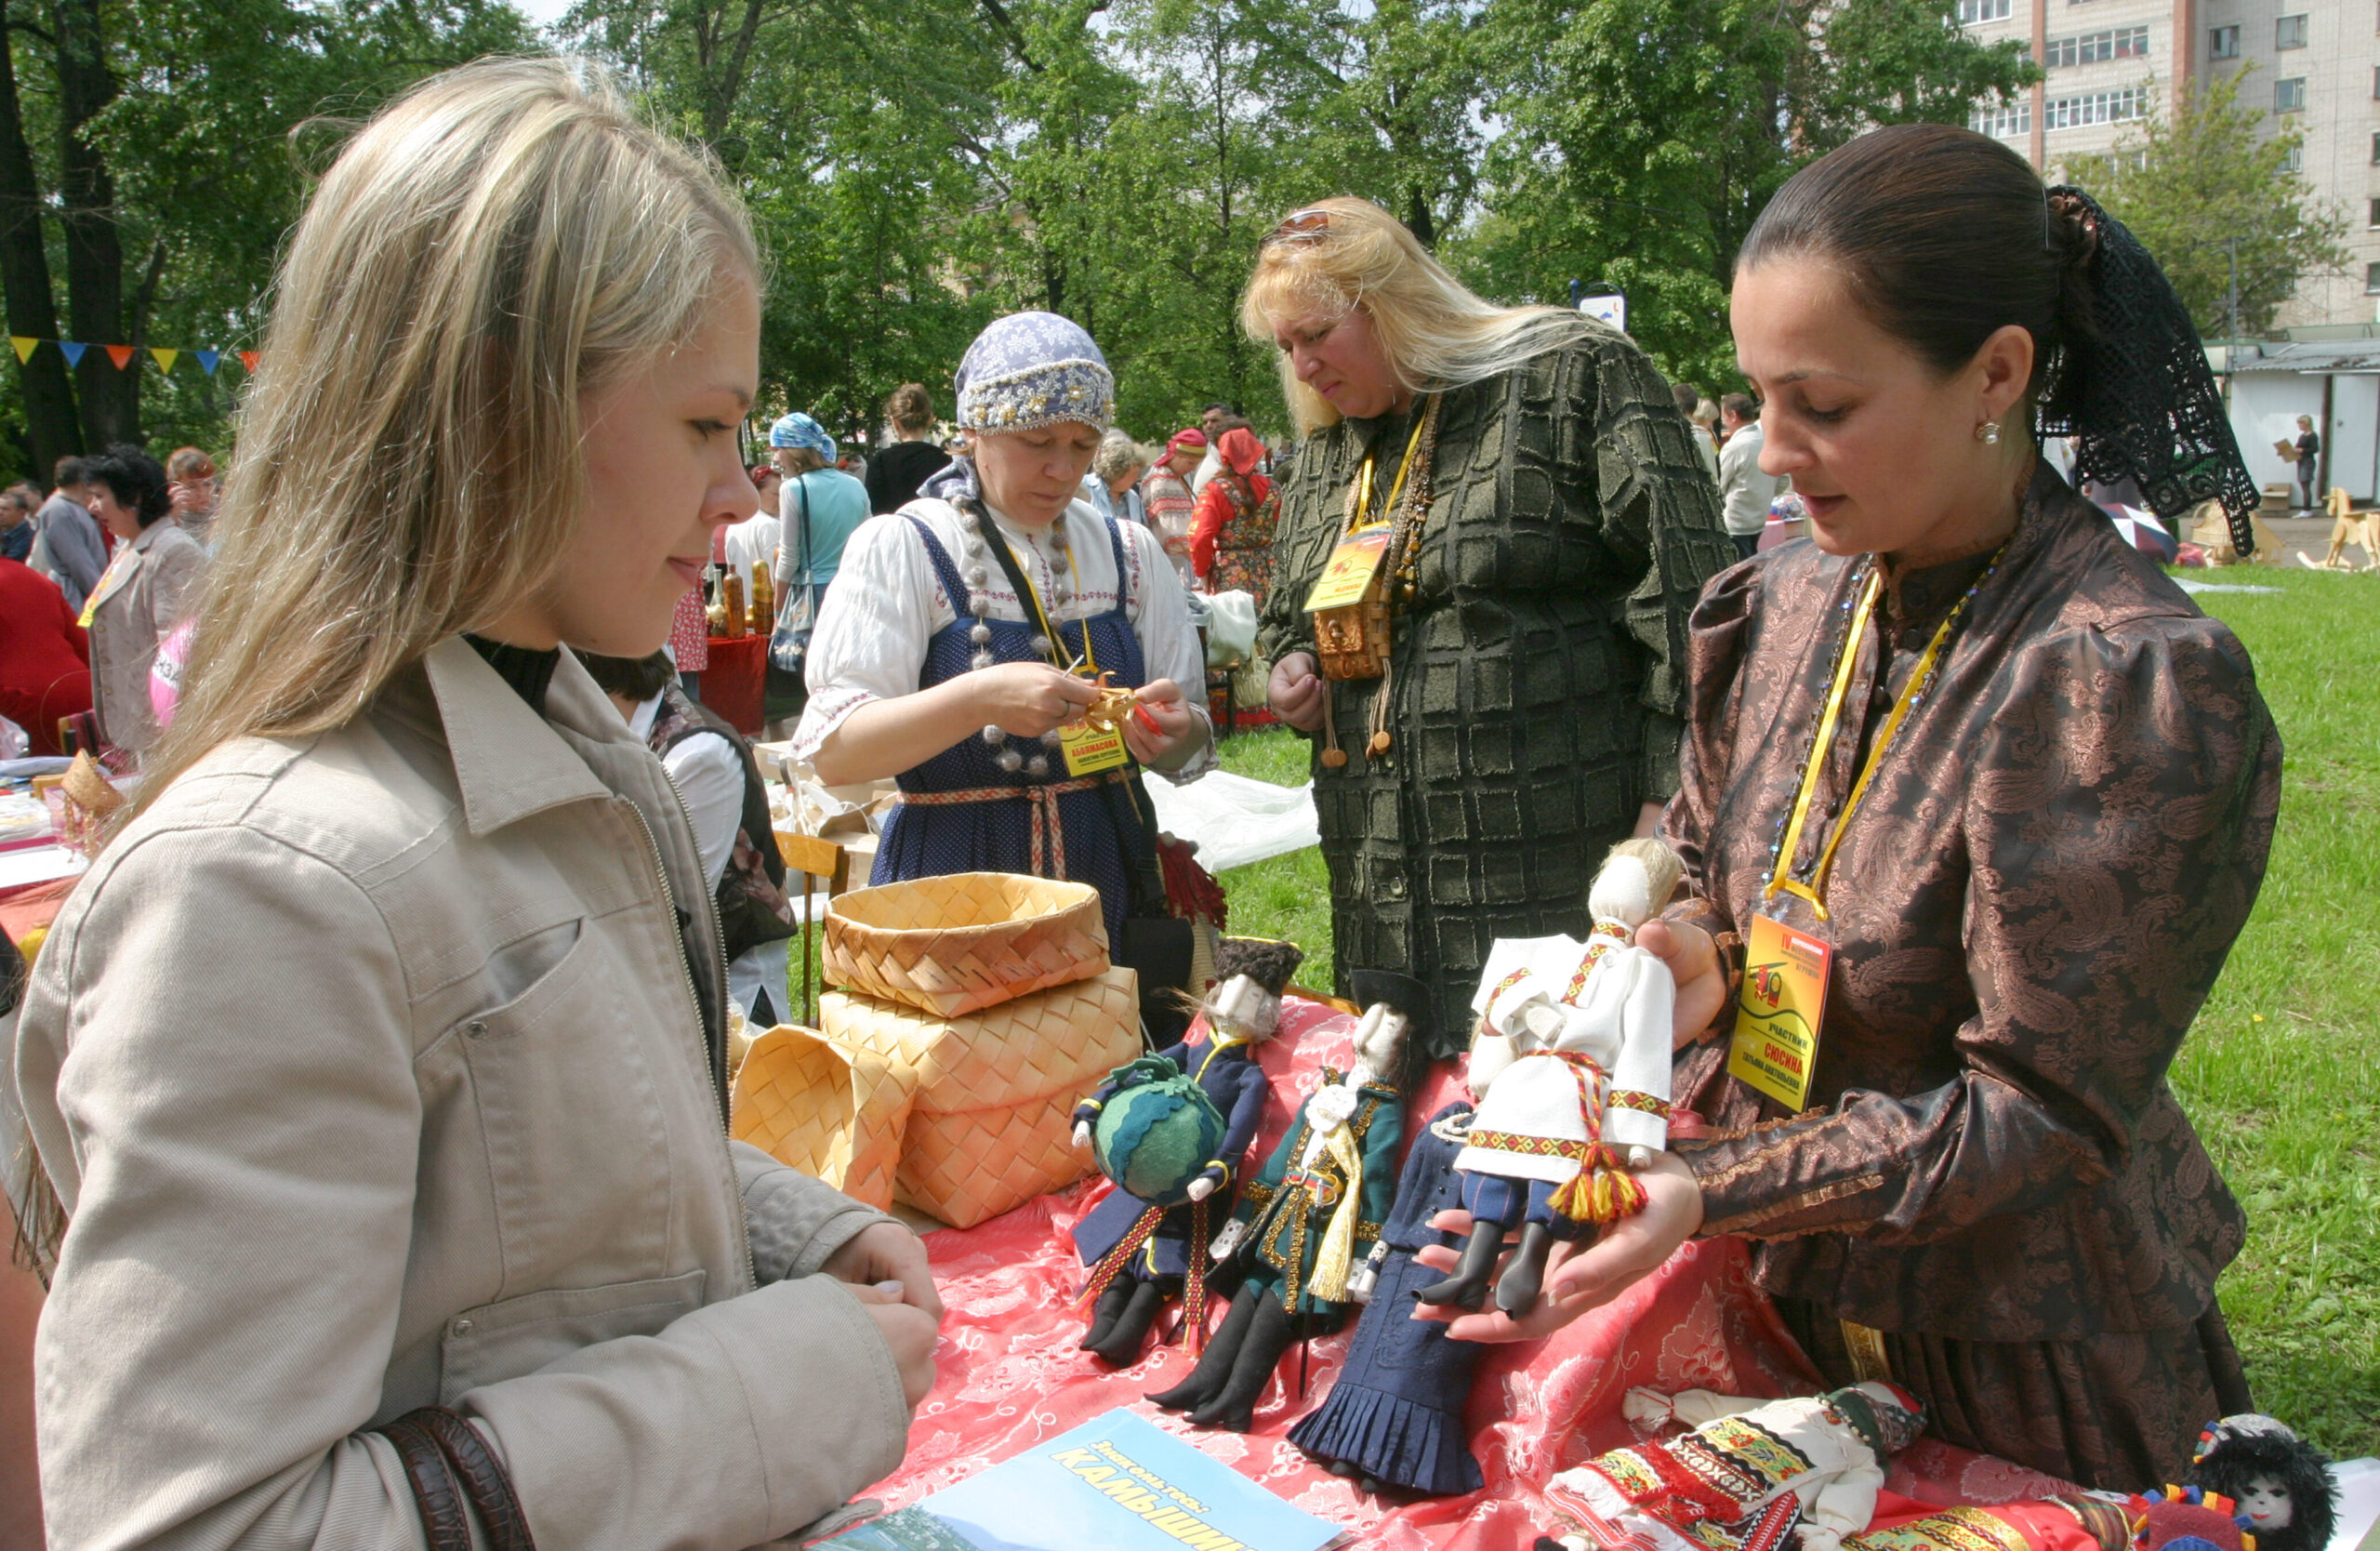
(370,1073)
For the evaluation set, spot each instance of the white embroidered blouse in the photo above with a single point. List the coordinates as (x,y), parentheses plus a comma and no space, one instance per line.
(885,605)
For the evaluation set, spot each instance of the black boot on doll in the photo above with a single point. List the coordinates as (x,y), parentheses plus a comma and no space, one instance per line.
(1209,1377)
(1468,1287)
(1523,1277)
(1120,1345)
(1104,1313)
(1230,1378)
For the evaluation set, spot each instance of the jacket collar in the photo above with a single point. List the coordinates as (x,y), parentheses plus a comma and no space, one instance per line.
(509,761)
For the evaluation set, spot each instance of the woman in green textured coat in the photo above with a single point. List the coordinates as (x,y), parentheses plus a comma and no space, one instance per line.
(1501,700)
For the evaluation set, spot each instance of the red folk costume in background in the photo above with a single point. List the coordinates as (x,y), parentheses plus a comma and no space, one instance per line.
(1231,535)
(44,656)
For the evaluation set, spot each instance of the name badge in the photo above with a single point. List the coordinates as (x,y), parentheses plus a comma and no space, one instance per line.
(1091,750)
(1777,1022)
(1348,575)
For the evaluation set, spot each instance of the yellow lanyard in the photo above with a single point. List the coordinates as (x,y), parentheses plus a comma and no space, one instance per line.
(1033,596)
(1780,872)
(1361,512)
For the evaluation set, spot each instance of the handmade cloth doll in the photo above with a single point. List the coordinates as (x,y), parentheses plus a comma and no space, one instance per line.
(1570,1062)
(1395,1417)
(1308,1222)
(2189,1519)
(2282,1483)
(1750,1473)
(1140,1253)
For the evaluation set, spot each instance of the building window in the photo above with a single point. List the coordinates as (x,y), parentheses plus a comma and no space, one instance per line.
(2375,148)
(2289,95)
(1973,11)
(2121,43)
(2290,33)
(2223,43)
(2098,107)
(2375,221)
(2017,118)
(2372,280)
(2293,159)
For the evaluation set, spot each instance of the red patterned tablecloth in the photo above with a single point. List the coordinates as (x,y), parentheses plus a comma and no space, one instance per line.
(1010,1375)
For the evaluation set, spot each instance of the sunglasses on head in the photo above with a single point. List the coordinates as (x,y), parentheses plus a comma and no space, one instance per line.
(1300,226)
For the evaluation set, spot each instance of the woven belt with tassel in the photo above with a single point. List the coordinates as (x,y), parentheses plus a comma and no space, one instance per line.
(1194,1283)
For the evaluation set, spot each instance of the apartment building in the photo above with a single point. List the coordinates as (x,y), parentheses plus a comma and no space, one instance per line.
(2108,62)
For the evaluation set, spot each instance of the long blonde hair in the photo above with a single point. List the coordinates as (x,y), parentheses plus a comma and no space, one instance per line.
(1436,332)
(498,244)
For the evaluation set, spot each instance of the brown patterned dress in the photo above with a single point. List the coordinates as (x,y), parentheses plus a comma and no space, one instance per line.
(2033,902)
(1537,689)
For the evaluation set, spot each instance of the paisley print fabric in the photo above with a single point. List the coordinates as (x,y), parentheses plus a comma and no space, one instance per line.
(2034,900)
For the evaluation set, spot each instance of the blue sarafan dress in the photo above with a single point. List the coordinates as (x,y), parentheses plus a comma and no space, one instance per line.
(959,812)
(1395,1413)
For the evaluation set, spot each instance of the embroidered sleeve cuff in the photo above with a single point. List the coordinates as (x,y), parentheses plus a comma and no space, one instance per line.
(823,716)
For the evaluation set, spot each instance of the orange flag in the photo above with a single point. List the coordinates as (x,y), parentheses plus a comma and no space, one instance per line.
(249,359)
(120,354)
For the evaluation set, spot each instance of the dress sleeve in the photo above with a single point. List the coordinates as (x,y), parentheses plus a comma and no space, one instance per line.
(1207,526)
(2117,824)
(1303,540)
(869,643)
(1658,512)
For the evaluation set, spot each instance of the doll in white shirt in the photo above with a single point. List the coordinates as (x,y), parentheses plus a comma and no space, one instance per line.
(1570,1064)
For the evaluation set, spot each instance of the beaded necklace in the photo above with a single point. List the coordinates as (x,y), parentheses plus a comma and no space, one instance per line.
(1047,640)
(1858,610)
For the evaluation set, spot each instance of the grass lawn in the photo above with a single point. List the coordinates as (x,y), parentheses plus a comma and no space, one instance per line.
(2279,1076)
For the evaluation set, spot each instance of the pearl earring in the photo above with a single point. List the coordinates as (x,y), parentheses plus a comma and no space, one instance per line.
(1988,433)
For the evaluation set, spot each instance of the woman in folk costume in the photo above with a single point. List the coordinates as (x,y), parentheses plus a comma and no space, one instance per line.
(967,632)
(1306,1224)
(2017,786)
(1572,1061)
(1138,1254)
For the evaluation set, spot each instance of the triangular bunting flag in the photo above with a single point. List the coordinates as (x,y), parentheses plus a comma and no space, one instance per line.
(164,358)
(249,359)
(73,351)
(24,347)
(207,359)
(120,354)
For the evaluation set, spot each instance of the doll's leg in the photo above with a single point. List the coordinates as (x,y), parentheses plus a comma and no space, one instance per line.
(1122,1347)
(1214,1364)
(1104,1314)
(1524,1277)
(1493,1203)
(1234,1410)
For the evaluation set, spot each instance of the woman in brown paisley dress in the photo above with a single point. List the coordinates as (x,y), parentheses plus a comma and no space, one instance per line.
(1992,1196)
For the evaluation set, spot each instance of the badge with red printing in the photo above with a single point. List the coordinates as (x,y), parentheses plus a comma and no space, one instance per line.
(1777,1022)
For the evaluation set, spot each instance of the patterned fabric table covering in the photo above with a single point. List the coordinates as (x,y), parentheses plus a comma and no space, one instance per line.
(1010,1375)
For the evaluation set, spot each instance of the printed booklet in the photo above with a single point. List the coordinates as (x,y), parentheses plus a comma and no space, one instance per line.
(1116,1484)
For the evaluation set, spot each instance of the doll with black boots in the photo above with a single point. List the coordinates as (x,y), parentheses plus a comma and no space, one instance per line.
(1141,1255)
(1570,1064)
(2281,1482)
(1394,1420)
(1306,1224)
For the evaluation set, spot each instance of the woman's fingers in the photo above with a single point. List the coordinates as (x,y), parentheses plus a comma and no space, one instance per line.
(1693,961)
(910,1333)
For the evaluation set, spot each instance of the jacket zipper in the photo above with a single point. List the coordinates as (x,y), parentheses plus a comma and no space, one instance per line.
(693,999)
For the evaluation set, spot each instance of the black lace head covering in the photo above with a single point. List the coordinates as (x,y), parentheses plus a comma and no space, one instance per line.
(2135,390)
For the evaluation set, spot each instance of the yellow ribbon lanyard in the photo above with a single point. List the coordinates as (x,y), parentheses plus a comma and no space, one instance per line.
(1362,514)
(1780,874)
(1048,628)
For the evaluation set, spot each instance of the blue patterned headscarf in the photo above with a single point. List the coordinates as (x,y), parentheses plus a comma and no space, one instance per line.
(798,429)
(1026,370)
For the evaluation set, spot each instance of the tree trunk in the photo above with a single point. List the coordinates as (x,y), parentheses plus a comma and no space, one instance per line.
(52,429)
(94,253)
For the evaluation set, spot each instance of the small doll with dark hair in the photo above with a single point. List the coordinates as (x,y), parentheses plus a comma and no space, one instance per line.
(1139,1252)
(2281,1482)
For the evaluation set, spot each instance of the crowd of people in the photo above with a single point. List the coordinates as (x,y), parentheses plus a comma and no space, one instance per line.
(377,1070)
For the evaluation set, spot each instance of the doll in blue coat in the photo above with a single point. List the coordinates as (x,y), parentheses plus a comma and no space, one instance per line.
(1139,1255)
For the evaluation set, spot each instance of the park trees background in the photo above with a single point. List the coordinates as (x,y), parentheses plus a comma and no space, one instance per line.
(915,169)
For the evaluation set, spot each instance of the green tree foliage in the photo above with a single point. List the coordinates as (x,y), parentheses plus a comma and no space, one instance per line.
(2201,183)
(1642,138)
(151,160)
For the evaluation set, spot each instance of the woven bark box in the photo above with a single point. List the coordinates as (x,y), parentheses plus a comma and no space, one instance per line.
(964,940)
(962,1117)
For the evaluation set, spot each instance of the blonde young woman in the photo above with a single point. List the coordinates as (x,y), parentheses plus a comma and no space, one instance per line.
(1551,526)
(376,1077)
